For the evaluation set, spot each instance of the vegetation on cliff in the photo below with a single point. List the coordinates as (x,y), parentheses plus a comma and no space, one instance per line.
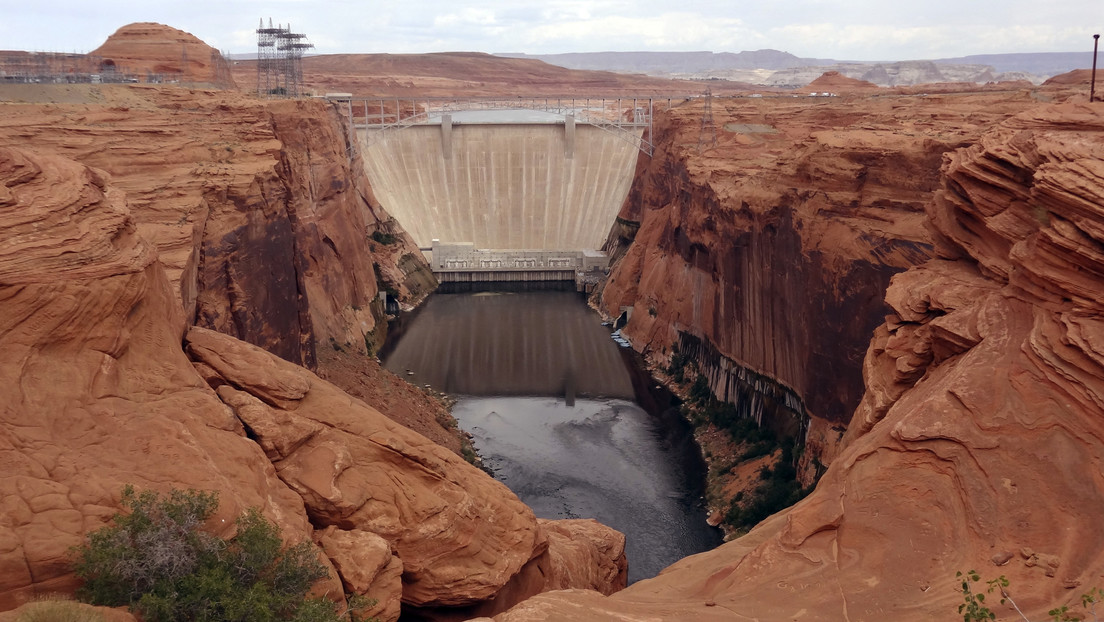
(735,445)
(158,561)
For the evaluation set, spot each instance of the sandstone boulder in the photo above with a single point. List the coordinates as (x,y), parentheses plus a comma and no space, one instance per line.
(460,534)
(585,554)
(368,568)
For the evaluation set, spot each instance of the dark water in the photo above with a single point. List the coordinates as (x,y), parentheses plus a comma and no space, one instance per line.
(554,407)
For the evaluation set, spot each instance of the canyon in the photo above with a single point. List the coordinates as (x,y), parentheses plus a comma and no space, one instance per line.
(905,278)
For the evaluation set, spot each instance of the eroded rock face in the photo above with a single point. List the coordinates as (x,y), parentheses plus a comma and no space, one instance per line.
(150,48)
(773,247)
(258,211)
(101,395)
(368,567)
(98,393)
(975,441)
(460,534)
(585,554)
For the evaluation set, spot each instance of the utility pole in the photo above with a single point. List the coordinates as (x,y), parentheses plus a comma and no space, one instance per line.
(1092,85)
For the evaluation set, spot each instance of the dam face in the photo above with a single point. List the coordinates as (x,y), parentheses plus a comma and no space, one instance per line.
(502,186)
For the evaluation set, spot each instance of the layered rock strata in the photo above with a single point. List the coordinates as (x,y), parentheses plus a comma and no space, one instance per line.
(150,51)
(98,393)
(764,251)
(258,210)
(101,394)
(976,441)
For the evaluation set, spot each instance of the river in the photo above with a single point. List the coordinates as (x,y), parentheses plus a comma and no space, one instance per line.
(554,407)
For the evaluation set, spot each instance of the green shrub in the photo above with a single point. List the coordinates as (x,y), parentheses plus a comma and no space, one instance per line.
(384,238)
(157,561)
(699,391)
(677,366)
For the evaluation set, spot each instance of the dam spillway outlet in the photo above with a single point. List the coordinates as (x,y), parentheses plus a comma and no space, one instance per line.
(464,262)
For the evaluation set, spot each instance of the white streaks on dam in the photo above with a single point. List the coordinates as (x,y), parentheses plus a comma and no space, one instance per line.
(534,186)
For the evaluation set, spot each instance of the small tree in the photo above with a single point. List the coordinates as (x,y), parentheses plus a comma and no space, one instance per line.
(156,560)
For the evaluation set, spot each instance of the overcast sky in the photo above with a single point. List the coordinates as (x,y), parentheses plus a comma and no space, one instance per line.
(839,29)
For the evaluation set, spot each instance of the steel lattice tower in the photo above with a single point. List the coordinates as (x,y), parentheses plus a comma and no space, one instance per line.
(708,131)
(280,60)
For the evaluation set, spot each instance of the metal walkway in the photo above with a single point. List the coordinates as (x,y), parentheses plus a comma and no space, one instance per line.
(630,118)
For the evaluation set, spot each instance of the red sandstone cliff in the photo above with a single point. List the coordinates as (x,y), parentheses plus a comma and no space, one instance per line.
(100,393)
(766,255)
(138,217)
(977,442)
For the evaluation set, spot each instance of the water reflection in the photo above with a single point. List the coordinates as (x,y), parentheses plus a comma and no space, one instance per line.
(502,343)
(512,358)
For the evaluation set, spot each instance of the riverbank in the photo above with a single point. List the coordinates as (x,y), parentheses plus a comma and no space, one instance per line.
(750,472)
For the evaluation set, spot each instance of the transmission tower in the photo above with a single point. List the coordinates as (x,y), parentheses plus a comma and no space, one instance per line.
(280,60)
(290,47)
(708,131)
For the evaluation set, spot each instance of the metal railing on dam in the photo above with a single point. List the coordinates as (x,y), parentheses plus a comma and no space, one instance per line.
(630,118)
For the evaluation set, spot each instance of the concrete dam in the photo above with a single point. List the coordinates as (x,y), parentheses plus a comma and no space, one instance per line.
(504,195)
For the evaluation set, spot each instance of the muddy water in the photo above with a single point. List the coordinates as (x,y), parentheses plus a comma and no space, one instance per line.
(554,407)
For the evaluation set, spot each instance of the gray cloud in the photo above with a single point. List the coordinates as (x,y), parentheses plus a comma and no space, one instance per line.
(853,30)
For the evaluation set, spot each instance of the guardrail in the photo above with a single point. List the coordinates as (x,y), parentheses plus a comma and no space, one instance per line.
(630,118)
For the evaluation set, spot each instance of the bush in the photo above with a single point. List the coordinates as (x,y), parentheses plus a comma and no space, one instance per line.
(384,238)
(677,367)
(778,489)
(157,561)
(700,392)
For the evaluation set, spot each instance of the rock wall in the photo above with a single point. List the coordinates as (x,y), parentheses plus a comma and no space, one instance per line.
(976,444)
(97,390)
(100,393)
(258,210)
(769,250)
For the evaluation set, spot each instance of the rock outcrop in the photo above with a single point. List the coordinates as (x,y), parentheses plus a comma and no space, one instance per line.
(98,393)
(150,50)
(834,82)
(459,534)
(976,443)
(259,211)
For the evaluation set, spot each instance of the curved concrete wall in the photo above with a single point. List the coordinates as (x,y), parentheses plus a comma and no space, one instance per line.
(538,186)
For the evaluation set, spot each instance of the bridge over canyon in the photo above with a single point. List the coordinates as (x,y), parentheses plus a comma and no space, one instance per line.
(504,189)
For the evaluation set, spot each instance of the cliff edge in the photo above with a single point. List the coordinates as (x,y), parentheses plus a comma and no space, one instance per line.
(975,443)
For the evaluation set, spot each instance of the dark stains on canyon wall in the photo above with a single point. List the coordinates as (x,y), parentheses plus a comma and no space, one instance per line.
(290,264)
(773,250)
(259,211)
(248,279)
